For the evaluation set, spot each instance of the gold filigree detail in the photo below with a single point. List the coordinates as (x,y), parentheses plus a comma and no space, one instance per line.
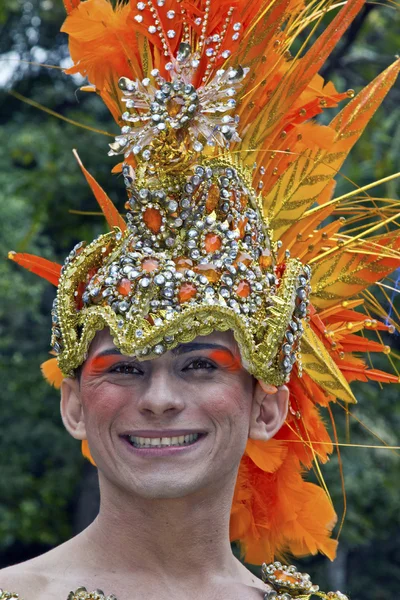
(287,583)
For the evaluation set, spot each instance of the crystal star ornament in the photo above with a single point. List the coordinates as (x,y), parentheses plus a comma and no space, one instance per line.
(177,110)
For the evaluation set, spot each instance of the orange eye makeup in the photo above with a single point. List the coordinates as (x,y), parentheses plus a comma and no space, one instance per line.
(226,360)
(98,365)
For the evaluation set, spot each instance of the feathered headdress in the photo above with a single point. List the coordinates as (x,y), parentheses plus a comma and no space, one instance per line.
(231,224)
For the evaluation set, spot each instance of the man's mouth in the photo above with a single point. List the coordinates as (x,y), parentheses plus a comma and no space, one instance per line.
(162,442)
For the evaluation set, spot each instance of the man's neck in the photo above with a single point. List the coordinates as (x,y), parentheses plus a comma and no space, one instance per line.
(170,537)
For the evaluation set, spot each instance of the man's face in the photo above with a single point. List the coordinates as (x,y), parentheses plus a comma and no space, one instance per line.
(135,415)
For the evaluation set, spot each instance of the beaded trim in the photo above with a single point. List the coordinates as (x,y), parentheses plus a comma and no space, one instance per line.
(287,583)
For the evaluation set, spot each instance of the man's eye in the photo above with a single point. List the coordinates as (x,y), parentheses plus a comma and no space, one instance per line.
(126,369)
(199,363)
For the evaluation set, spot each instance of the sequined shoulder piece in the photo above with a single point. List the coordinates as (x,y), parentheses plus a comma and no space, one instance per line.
(82,594)
(288,583)
(4,595)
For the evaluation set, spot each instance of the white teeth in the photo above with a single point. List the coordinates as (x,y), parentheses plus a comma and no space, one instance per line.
(145,442)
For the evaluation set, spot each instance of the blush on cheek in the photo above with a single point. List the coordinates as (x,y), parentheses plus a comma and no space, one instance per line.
(232,400)
(102,403)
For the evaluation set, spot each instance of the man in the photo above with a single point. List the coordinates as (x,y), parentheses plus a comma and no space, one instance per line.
(176,332)
(163,526)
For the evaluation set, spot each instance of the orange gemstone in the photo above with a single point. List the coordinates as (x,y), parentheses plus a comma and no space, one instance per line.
(243,289)
(212,198)
(209,271)
(96,281)
(149,264)
(241,226)
(265,259)
(174,106)
(243,201)
(244,258)
(284,577)
(186,292)
(152,218)
(182,263)
(212,242)
(124,287)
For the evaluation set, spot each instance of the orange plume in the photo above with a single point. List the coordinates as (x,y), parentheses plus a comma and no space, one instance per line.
(52,372)
(86,452)
(40,266)
(111,214)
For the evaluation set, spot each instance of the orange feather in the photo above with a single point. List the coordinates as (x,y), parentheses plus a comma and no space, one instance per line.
(40,266)
(71,4)
(111,214)
(86,452)
(52,372)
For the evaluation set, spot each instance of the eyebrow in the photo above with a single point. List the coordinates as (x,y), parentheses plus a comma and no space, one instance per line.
(180,349)
(193,346)
(108,352)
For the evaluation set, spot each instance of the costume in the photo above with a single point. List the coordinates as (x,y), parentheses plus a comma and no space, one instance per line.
(230,225)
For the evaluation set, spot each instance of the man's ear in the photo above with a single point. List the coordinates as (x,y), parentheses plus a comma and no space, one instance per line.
(269,410)
(71,409)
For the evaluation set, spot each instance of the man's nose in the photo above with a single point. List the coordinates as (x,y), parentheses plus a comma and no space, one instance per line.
(160,396)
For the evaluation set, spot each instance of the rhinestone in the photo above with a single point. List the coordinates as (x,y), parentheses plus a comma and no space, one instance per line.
(133,274)
(152,29)
(138,18)
(225,292)
(159,349)
(197,21)
(172,205)
(123,306)
(146,154)
(199,171)
(170,14)
(145,282)
(197,146)
(301,293)
(159,279)
(168,293)
(195,254)
(226,54)
(169,66)
(171,33)
(139,333)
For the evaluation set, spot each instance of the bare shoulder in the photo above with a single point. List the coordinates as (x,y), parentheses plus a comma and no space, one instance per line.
(26,581)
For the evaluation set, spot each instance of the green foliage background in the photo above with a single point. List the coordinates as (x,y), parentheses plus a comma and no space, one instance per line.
(41,469)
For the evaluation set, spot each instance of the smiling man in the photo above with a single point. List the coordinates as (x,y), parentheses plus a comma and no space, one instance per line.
(167,436)
(191,361)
